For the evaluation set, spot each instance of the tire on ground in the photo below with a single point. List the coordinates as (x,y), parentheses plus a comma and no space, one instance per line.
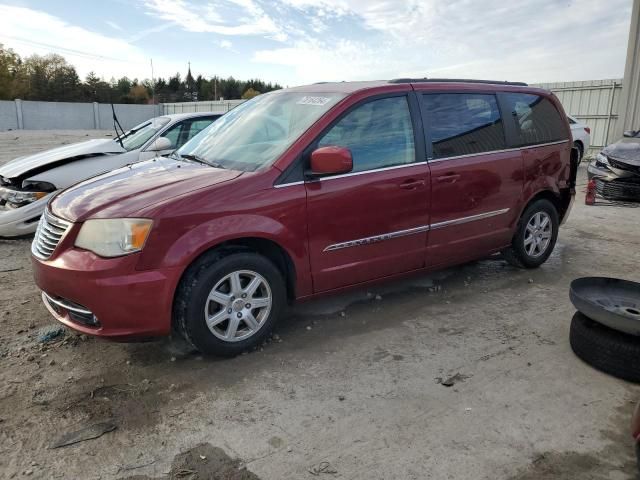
(605,349)
(516,254)
(194,289)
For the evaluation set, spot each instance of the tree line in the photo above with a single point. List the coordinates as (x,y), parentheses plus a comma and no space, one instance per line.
(51,78)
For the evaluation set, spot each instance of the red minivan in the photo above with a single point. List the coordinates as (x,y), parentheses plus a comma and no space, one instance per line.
(306,191)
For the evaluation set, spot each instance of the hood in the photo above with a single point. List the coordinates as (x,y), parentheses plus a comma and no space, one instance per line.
(626,150)
(64,154)
(125,191)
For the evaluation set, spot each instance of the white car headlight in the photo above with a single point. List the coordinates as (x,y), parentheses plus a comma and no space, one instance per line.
(602,161)
(114,237)
(17,198)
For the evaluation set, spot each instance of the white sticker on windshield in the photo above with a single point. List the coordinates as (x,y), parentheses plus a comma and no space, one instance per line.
(320,101)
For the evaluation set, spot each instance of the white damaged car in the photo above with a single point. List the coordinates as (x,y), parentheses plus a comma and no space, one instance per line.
(27,183)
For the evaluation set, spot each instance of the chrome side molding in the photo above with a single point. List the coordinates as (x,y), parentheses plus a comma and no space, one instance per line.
(472,218)
(412,231)
(376,238)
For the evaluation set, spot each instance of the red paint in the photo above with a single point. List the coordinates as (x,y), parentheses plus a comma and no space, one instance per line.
(331,160)
(590,197)
(635,423)
(196,208)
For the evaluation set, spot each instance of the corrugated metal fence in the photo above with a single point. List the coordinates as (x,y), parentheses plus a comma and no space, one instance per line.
(218,106)
(594,102)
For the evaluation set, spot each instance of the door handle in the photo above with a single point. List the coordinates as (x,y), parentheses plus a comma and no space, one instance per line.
(448,178)
(412,184)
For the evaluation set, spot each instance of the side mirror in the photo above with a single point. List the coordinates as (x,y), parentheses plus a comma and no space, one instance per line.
(630,133)
(160,144)
(331,160)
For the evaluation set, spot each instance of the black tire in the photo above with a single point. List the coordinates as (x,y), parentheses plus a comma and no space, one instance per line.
(198,282)
(580,149)
(608,350)
(516,254)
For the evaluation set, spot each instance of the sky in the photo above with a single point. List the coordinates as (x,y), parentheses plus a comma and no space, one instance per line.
(295,42)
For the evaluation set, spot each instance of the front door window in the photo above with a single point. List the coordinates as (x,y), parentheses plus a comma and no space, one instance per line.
(379,134)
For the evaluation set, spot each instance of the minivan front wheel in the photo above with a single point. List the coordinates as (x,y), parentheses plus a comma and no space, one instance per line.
(228,304)
(535,236)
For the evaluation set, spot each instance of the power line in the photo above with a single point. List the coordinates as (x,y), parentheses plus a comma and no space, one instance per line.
(69,51)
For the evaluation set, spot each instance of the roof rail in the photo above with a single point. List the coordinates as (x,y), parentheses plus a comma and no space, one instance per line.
(456,80)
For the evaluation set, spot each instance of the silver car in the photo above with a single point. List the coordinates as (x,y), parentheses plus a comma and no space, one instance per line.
(27,183)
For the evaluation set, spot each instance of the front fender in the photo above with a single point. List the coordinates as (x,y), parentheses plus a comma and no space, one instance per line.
(201,235)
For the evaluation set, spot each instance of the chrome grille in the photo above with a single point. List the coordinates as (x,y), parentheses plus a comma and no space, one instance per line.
(49,233)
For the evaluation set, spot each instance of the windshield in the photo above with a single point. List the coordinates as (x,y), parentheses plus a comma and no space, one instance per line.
(254,134)
(138,135)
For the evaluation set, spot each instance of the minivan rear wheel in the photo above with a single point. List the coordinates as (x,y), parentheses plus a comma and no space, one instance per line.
(535,236)
(228,303)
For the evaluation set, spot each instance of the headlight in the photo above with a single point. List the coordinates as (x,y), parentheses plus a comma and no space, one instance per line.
(16,198)
(114,237)
(602,161)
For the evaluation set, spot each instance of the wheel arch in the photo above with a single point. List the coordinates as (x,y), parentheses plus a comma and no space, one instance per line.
(268,248)
(559,200)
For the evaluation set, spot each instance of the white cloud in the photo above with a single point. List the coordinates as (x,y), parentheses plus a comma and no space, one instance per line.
(312,61)
(226,44)
(537,41)
(242,17)
(30,31)
(347,39)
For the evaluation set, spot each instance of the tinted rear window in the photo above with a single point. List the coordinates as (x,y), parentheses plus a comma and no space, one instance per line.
(463,123)
(536,119)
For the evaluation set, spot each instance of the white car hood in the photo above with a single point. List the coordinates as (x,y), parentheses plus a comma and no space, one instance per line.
(90,148)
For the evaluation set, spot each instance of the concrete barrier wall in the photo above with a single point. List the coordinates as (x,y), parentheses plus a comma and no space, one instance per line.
(57,115)
(28,115)
(8,117)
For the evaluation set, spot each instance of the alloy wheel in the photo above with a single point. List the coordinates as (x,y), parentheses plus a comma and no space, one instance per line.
(538,233)
(238,305)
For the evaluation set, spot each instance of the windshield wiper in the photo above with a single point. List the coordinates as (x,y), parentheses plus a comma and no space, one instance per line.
(197,158)
(194,158)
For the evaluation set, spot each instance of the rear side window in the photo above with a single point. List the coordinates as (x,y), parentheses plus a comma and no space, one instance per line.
(198,125)
(536,119)
(378,134)
(463,123)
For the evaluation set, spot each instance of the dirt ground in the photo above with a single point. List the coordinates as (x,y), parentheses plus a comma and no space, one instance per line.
(350,387)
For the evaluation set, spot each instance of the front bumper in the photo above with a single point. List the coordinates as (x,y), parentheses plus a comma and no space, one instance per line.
(615,184)
(107,297)
(16,222)
(618,189)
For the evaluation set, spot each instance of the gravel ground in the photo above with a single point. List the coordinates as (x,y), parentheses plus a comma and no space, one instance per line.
(350,386)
